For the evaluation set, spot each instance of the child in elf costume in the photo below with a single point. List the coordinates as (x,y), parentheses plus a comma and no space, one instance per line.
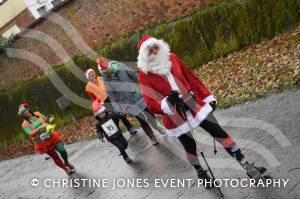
(108,126)
(45,138)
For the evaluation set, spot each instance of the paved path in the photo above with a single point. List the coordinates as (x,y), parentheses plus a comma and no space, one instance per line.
(268,130)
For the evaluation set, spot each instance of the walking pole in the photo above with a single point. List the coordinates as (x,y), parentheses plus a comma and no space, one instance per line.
(202,154)
(212,175)
(215,148)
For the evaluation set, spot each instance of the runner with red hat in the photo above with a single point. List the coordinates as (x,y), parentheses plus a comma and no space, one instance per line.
(96,91)
(108,126)
(121,83)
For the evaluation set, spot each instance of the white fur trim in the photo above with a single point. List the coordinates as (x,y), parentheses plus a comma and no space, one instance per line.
(87,73)
(200,116)
(209,99)
(172,82)
(101,70)
(194,122)
(149,42)
(99,67)
(158,64)
(165,107)
(101,110)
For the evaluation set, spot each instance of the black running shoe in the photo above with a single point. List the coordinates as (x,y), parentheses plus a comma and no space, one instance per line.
(206,178)
(253,171)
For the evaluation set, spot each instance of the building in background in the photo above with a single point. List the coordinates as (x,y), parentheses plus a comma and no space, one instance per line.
(40,7)
(14,16)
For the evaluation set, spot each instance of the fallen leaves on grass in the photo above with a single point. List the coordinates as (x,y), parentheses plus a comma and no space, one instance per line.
(272,66)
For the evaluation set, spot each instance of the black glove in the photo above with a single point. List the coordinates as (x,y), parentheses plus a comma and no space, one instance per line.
(213,104)
(189,101)
(173,99)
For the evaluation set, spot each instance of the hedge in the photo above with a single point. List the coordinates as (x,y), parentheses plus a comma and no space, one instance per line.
(215,31)
(41,94)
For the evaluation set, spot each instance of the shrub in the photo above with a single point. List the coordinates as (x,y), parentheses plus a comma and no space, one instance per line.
(5,43)
(41,94)
(216,31)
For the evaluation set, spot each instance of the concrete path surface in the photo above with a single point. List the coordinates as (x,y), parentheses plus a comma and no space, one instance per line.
(267,130)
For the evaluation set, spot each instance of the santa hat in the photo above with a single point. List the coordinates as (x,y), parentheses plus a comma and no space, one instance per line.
(23,108)
(146,40)
(88,72)
(102,64)
(98,107)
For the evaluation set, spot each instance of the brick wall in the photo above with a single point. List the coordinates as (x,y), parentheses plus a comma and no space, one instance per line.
(23,20)
(98,22)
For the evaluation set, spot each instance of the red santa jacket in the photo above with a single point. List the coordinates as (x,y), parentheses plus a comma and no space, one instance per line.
(156,87)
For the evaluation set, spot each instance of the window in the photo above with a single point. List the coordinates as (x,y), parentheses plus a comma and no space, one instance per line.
(56,2)
(11,31)
(2,2)
(42,10)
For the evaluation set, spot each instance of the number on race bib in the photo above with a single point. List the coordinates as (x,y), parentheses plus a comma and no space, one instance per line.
(110,127)
(44,136)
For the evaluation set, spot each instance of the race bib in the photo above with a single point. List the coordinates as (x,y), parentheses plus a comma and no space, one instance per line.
(110,127)
(44,136)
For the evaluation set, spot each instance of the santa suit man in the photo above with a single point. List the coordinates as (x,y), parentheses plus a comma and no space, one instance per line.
(170,89)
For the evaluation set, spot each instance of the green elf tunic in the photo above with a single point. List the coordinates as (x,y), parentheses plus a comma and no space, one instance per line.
(43,142)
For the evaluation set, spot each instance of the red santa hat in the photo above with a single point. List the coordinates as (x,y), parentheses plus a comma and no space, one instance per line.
(147,40)
(23,108)
(102,64)
(98,107)
(88,72)
(144,38)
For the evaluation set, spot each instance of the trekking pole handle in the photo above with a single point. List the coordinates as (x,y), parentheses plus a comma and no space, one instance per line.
(215,148)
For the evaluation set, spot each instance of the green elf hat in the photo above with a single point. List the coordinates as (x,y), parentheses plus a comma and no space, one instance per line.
(23,108)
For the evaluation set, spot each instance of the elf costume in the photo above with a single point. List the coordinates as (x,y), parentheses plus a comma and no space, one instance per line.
(46,140)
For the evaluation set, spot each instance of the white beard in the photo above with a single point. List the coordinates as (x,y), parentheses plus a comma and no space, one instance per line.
(158,64)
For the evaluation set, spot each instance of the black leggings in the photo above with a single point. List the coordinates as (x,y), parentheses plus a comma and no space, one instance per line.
(121,143)
(188,143)
(210,124)
(125,121)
